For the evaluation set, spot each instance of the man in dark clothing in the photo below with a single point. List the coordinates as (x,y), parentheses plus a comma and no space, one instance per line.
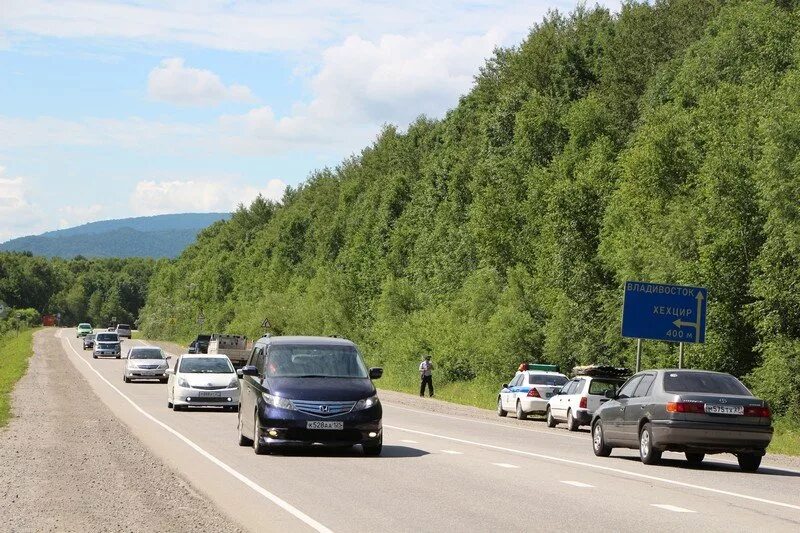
(426,376)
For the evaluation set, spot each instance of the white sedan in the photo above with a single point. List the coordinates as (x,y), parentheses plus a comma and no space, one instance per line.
(145,362)
(203,380)
(529,392)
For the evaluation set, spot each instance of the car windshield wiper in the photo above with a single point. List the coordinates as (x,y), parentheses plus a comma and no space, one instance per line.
(311,376)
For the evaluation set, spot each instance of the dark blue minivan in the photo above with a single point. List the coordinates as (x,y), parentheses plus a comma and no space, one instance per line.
(307,391)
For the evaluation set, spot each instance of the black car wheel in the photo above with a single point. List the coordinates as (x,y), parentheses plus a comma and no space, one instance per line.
(169,404)
(500,410)
(258,446)
(572,424)
(520,413)
(243,441)
(647,452)
(551,422)
(94,356)
(749,462)
(373,449)
(695,459)
(601,449)
(177,407)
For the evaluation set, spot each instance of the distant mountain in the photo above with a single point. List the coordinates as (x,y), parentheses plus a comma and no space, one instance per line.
(155,236)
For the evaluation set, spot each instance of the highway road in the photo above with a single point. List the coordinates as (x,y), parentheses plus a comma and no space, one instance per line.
(442,472)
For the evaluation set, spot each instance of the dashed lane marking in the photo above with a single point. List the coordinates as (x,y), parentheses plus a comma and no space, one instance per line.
(505,465)
(452,452)
(578,484)
(672,508)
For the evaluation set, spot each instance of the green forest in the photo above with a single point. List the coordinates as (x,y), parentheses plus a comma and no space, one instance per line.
(659,144)
(80,289)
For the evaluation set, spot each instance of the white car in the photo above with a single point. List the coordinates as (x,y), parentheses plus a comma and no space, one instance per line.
(529,392)
(203,380)
(145,362)
(579,399)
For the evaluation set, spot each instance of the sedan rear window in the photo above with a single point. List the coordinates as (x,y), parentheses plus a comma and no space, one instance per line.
(703,382)
(205,365)
(547,379)
(600,386)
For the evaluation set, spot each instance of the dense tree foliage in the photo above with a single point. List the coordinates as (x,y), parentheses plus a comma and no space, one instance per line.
(659,144)
(93,290)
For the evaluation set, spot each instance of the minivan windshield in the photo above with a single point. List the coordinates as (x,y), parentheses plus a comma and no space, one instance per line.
(146,353)
(206,365)
(123,326)
(703,382)
(107,337)
(315,360)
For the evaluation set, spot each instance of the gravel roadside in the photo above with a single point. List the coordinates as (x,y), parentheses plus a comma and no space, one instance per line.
(68,464)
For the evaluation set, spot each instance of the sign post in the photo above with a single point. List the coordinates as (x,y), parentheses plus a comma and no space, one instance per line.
(671,313)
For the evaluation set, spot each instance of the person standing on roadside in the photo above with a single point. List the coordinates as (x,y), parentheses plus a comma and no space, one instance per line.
(426,376)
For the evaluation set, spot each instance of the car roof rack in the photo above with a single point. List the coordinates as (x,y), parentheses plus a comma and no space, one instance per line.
(607,371)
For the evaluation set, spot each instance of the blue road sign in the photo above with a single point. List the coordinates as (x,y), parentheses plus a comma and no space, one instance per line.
(672,313)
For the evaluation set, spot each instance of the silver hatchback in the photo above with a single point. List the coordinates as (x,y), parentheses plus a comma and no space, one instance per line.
(691,411)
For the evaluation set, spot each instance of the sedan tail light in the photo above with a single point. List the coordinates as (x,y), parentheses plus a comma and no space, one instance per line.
(533,393)
(757,410)
(584,402)
(686,407)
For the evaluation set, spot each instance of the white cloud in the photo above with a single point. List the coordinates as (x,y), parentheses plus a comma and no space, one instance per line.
(173,82)
(76,215)
(206,195)
(18,215)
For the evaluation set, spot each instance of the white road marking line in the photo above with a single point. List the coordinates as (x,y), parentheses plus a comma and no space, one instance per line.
(507,426)
(578,484)
(600,467)
(294,511)
(505,465)
(452,452)
(672,508)
(409,441)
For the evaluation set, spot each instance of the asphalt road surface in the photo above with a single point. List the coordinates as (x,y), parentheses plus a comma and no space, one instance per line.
(443,469)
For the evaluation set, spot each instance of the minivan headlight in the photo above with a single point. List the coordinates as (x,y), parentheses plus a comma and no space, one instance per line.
(277,401)
(366,403)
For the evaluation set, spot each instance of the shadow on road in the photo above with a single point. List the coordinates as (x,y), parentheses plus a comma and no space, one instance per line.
(389,452)
(712,466)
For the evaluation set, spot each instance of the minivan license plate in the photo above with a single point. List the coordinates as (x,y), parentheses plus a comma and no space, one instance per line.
(209,394)
(725,409)
(322,424)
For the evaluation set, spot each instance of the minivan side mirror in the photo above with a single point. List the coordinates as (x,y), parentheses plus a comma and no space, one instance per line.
(375,373)
(249,370)
(610,394)
(505,385)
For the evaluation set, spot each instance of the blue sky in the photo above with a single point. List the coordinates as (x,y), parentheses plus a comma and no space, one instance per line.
(117,109)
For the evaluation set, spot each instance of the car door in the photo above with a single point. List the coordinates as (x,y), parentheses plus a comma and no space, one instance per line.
(560,411)
(639,405)
(573,401)
(171,380)
(614,412)
(248,391)
(508,396)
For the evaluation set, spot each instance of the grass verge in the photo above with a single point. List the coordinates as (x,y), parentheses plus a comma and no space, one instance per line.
(786,439)
(15,350)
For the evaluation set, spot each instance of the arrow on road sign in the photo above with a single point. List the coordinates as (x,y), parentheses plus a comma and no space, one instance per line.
(696,325)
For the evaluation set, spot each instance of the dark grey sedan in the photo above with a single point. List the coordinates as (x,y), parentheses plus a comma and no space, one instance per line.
(692,411)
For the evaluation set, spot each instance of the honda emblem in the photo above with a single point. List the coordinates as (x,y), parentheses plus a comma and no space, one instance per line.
(323,408)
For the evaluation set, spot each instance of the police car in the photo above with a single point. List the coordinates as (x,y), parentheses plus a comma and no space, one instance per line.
(530,390)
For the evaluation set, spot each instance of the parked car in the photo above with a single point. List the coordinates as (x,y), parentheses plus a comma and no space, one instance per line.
(577,401)
(309,390)
(107,343)
(529,392)
(691,411)
(145,362)
(88,341)
(202,380)
(200,344)
(123,330)
(84,328)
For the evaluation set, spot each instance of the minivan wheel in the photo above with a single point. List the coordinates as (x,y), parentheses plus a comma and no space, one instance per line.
(520,413)
(258,446)
(500,410)
(749,462)
(551,422)
(694,459)
(601,449)
(243,441)
(647,452)
(373,449)
(572,424)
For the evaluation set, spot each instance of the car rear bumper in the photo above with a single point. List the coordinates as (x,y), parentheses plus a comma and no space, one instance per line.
(533,405)
(582,416)
(675,435)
